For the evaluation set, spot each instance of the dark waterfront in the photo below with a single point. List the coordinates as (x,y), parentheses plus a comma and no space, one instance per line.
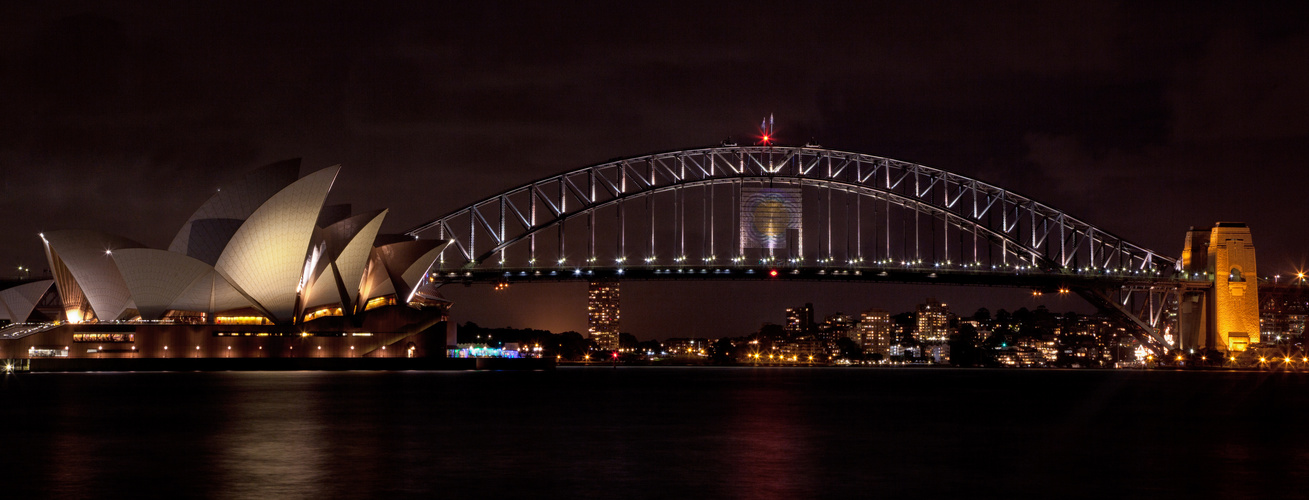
(657,433)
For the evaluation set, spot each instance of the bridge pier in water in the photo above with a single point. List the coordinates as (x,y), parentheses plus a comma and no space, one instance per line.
(1225,315)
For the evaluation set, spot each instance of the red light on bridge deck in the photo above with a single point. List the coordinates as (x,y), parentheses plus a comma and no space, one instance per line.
(773,273)
(615,355)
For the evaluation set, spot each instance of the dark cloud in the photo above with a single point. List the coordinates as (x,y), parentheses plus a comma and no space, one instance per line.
(1142,118)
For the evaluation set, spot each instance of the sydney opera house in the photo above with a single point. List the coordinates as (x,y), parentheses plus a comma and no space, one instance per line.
(263,269)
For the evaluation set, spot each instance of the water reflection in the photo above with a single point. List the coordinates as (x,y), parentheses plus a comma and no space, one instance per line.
(769,452)
(655,433)
(272,443)
(76,468)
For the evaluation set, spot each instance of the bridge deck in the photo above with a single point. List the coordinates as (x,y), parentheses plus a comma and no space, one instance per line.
(1051,282)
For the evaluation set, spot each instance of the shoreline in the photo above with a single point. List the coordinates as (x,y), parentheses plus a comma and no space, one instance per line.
(43,365)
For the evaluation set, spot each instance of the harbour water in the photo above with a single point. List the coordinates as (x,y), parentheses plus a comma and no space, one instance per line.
(657,433)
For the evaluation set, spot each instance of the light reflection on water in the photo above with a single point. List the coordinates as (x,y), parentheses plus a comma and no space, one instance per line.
(770,449)
(272,443)
(656,433)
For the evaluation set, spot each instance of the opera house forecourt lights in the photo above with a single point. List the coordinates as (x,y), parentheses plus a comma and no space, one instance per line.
(263,269)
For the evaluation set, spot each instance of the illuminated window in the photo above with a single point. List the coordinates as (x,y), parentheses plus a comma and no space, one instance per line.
(241,320)
(103,337)
(47,352)
(376,302)
(327,311)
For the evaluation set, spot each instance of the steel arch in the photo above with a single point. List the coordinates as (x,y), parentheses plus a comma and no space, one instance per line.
(1013,247)
(1052,239)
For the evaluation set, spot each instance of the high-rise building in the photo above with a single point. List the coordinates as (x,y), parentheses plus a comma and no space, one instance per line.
(933,330)
(933,322)
(799,320)
(602,314)
(875,332)
(834,327)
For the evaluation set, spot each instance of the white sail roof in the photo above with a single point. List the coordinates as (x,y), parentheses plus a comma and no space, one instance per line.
(377,281)
(17,303)
(348,243)
(352,261)
(265,258)
(398,267)
(413,273)
(258,244)
(323,292)
(212,225)
(87,254)
(210,293)
(160,281)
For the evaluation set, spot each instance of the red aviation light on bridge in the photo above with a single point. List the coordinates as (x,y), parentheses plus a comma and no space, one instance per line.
(766,131)
(772,273)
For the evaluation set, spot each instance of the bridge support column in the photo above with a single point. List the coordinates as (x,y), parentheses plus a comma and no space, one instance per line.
(1192,304)
(1225,316)
(1192,321)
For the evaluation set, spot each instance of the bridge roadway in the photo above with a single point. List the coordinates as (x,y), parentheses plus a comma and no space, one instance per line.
(1036,280)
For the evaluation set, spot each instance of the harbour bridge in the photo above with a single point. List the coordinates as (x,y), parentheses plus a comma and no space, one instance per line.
(804,213)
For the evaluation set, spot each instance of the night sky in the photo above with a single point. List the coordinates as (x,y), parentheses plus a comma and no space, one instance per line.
(1141,119)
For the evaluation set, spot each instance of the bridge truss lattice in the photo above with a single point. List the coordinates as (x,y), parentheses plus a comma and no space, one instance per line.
(678,189)
(682,211)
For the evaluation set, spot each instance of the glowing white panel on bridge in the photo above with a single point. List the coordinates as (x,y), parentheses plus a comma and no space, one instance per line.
(768,213)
